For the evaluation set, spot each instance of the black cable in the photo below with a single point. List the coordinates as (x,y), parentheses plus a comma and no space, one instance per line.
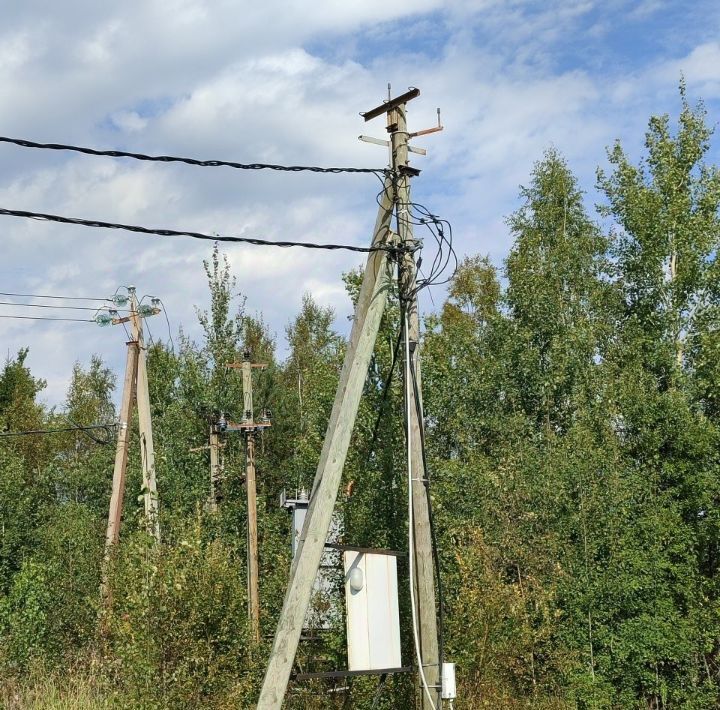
(415,214)
(63,298)
(87,433)
(379,690)
(49,305)
(76,320)
(384,398)
(29,432)
(195,235)
(431,519)
(167,320)
(150,337)
(440,263)
(189,161)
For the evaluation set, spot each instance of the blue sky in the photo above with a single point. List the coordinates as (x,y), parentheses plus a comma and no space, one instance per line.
(284,82)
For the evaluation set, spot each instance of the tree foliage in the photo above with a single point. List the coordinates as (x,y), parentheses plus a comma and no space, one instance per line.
(572,401)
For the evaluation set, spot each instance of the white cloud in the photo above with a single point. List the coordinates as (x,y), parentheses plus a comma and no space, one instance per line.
(701,69)
(129,121)
(212,81)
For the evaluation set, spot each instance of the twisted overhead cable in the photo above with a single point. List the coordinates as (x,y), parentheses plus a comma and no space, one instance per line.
(195,235)
(188,161)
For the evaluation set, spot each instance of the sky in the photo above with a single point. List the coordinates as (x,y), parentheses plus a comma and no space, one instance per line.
(284,82)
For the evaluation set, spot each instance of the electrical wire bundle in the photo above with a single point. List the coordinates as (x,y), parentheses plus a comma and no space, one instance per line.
(441,230)
(445,262)
(45,217)
(75,427)
(95,309)
(189,161)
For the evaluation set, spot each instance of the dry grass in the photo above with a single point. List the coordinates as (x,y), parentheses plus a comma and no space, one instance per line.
(50,692)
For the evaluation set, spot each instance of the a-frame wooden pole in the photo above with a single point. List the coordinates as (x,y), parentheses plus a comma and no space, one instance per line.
(147,448)
(368,312)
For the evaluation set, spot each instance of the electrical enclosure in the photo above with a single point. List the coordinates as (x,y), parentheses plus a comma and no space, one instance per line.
(448,681)
(373,619)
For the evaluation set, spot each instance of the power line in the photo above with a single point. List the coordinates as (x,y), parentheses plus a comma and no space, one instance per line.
(167,320)
(86,430)
(49,305)
(64,298)
(76,320)
(195,235)
(29,432)
(189,161)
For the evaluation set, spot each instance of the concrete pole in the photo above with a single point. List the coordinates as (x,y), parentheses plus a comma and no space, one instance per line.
(422,554)
(368,312)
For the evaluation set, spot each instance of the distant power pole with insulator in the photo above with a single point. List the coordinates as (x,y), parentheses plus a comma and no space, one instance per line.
(249,427)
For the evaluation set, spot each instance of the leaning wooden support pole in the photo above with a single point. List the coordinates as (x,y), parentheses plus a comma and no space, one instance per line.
(121,451)
(368,312)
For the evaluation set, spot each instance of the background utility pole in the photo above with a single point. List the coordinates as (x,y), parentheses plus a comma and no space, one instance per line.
(368,312)
(215,467)
(249,428)
(135,389)
(424,579)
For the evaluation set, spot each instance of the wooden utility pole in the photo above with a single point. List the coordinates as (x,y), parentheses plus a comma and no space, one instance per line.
(215,467)
(423,564)
(249,428)
(252,538)
(368,313)
(135,390)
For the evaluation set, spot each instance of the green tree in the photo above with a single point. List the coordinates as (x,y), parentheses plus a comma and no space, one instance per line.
(84,459)
(557,295)
(665,233)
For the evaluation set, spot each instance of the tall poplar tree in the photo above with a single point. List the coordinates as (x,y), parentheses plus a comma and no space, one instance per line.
(665,236)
